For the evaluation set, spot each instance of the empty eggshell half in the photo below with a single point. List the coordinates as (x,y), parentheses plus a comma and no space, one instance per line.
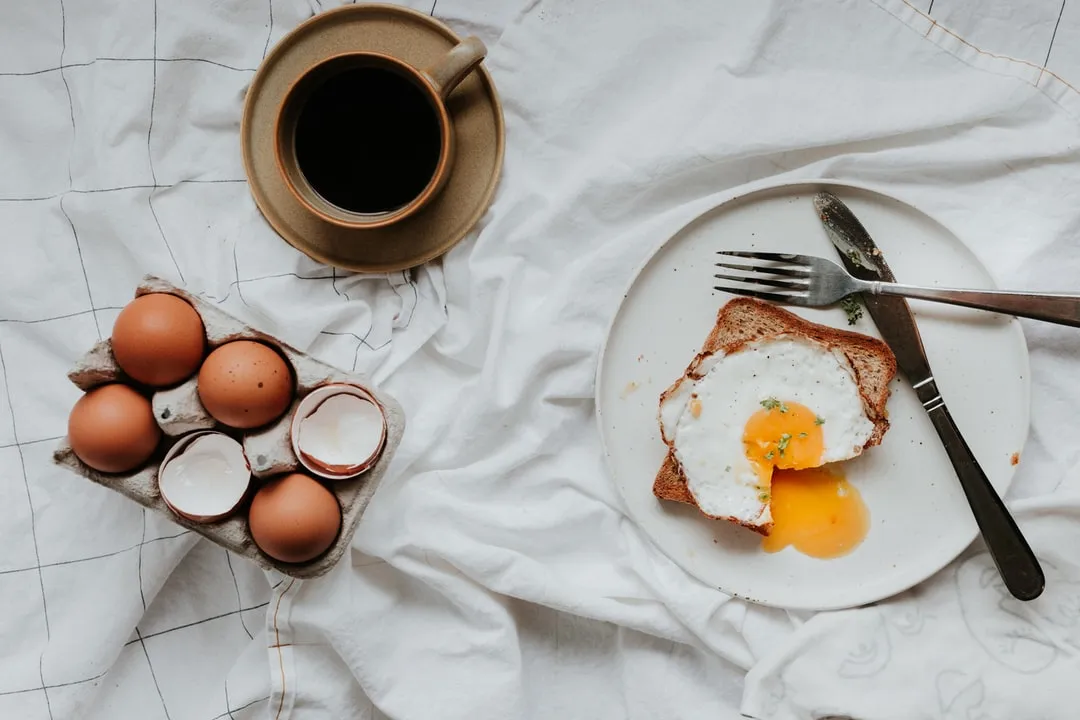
(338,431)
(204,477)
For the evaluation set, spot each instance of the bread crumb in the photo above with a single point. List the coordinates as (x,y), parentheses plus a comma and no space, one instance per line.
(1015,459)
(695,407)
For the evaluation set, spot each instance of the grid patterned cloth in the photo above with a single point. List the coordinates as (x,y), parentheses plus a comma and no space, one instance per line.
(118,129)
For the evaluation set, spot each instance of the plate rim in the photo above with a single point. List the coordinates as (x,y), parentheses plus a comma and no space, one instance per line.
(728,198)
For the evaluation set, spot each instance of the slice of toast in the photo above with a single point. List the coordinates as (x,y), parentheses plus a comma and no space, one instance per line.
(745,320)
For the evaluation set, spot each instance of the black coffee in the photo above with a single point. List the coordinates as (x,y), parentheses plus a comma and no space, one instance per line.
(368,140)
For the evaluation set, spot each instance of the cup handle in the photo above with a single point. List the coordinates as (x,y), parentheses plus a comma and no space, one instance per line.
(455,65)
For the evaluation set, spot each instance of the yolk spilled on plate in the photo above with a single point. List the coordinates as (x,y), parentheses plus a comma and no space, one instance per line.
(818,512)
(814,509)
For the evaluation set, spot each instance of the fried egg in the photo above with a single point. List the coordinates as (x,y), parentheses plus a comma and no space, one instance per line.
(785,404)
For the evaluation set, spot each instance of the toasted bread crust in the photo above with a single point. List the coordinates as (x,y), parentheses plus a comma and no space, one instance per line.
(745,320)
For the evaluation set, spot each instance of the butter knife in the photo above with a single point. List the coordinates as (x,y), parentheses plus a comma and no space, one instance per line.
(1016,563)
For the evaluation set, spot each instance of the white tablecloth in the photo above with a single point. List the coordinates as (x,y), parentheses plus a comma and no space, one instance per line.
(495,575)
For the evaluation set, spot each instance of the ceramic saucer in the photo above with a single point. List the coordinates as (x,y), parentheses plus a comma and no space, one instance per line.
(478,123)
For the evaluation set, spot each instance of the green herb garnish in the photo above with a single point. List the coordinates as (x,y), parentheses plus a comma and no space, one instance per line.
(770,455)
(802,435)
(774,404)
(763,497)
(782,445)
(727,469)
(819,420)
(852,309)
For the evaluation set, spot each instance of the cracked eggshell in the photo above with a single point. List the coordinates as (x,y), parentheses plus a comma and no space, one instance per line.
(98,367)
(323,413)
(204,477)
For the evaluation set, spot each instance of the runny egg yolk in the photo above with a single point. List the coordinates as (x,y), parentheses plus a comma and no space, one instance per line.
(813,509)
(818,512)
(783,435)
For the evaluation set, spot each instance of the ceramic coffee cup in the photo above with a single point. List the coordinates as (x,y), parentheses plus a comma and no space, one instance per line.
(364,140)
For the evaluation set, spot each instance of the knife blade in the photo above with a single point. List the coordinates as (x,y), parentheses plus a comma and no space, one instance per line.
(1016,563)
(862,258)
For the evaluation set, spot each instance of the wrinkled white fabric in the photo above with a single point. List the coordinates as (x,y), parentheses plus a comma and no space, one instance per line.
(500,486)
(495,574)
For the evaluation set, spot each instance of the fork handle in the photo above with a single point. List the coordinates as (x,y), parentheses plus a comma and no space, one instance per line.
(1057,308)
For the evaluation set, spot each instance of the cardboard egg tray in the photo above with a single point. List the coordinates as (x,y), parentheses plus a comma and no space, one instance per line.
(269,451)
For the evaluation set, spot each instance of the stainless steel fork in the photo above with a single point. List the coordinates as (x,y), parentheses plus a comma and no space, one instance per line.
(812,281)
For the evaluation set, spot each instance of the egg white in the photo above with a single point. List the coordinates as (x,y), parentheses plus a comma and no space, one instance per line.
(730,389)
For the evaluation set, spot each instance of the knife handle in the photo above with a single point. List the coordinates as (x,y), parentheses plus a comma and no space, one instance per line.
(1016,563)
(1057,308)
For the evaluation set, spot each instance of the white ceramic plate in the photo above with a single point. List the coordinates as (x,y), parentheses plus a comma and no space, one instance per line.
(920,520)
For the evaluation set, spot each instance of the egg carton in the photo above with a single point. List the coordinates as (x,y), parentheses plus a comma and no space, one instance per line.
(178,411)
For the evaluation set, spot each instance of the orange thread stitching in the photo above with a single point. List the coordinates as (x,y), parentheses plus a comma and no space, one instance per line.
(979,50)
(277,644)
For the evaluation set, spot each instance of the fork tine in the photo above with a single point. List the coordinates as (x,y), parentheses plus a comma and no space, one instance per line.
(787,285)
(774,297)
(765,269)
(774,257)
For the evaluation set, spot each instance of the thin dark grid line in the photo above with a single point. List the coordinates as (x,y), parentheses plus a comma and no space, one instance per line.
(239,603)
(71,182)
(82,264)
(236,273)
(1054,35)
(157,221)
(333,283)
(81,191)
(237,283)
(31,442)
(142,542)
(416,296)
(46,70)
(153,675)
(60,563)
(68,66)
(242,707)
(57,685)
(270,32)
(150,153)
(197,622)
(931,8)
(38,198)
(228,705)
(41,670)
(432,13)
(363,342)
(50,319)
(67,88)
(33,531)
(179,59)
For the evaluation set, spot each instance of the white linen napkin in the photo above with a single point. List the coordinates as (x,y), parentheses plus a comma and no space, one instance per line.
(625,119)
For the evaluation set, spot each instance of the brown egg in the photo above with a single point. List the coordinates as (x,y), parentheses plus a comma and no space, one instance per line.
(294,519)
(158,339)
(245,384)
(112,429)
